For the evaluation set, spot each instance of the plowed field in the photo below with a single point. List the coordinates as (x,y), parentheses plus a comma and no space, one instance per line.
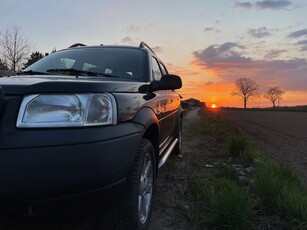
(281,135)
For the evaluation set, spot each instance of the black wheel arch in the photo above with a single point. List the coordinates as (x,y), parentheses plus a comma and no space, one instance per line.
(149,120)
(146,117)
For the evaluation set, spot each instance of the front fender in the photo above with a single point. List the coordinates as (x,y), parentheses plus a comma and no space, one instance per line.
(146,117)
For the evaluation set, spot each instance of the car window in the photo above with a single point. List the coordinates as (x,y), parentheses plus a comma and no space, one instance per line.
(156,71)
(164,71)
(120,62)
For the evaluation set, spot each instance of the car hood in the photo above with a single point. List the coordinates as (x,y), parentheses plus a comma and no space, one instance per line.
(65,84)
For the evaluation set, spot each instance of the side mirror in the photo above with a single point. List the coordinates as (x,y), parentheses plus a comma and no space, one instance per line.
(167,82)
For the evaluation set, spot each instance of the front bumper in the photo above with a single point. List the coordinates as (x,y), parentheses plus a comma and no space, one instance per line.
(48,166)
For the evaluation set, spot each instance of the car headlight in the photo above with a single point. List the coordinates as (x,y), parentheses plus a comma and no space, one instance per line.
(67,110)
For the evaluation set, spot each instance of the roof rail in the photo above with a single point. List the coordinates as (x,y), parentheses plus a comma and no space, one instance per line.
(76,45)
(144,45)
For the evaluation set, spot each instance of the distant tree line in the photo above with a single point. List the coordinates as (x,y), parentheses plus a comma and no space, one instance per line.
(247,88)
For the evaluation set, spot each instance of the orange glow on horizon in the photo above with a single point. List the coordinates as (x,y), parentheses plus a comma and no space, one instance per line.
(209,85)
(213,106)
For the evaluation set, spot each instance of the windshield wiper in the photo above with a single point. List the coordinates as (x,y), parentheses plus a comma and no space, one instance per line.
(31,72)
(79,72)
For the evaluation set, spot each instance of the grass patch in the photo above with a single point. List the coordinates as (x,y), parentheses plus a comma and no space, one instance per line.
(250,154)
(194,213)
(197,191)
(197,188)
(267,185)
(292,203)
(220,204)
(235,146)
(240,147)
(280,190)
(269,179)
(226,172)
(230,207)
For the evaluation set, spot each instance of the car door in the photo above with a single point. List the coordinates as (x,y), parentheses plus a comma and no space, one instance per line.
(168,102)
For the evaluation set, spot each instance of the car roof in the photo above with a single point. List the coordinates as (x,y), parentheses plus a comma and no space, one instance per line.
(142,46)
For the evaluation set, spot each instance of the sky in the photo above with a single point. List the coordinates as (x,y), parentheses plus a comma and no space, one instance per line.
(209,43)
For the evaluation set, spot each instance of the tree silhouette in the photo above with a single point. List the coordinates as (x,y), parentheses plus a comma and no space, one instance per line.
(274,94)
(35,56)
(14,47)
(245,88)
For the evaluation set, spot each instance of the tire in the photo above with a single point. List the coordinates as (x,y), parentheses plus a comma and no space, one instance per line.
(178,134)
(140,188)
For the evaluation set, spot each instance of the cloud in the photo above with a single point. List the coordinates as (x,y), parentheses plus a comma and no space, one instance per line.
(182,72)
(304,42)
(274,54)
(133,28)
(259,33)
(128,40)
(273,4)
(158,49)
(303,45)
(216,55)
(209,29)
(266,4)
(245,5)
(298,33)
(208,83)
(229,63)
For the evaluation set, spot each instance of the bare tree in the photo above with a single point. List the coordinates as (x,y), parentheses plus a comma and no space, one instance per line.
(14,47)
(245,88)
(274,94)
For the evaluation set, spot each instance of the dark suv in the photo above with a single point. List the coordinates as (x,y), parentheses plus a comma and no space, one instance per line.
(89,120)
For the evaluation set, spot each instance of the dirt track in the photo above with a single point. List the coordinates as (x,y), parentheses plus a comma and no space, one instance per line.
(171,183)
(281,135)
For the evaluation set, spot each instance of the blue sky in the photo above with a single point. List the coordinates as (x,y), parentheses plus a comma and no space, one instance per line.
(209,43)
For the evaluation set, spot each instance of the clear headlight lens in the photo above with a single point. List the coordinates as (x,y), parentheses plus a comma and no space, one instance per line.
(67,110)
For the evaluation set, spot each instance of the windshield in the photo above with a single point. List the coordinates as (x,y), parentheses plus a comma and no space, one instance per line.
(116,62)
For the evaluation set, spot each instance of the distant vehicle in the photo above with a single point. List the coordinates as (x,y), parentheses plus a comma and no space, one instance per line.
(85,122)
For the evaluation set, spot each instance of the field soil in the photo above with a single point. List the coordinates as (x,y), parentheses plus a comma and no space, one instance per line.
(279,134)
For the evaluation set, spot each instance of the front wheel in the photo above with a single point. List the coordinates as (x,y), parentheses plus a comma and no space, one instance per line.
(140,189)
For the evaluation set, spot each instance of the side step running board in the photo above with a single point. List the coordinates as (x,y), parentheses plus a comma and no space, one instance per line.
(168,152)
